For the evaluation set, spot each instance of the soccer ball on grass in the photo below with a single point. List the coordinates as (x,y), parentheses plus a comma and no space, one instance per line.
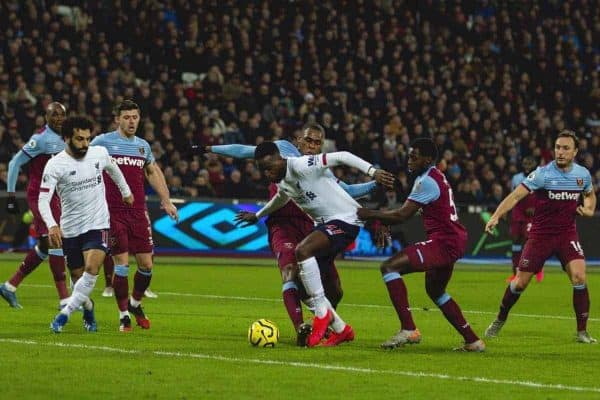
(263,333)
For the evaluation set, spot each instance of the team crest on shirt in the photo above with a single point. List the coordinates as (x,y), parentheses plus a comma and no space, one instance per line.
(288,245)
(142,151)
(580,182)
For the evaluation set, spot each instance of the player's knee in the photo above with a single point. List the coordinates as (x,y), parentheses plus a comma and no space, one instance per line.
(386,267)
(145,267)
(391,265)
(578,278)
(289,272)
(433,291)
(520,284)
(302,252)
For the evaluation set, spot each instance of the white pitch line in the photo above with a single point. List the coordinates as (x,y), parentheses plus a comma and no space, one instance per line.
(327,367)
(264,299)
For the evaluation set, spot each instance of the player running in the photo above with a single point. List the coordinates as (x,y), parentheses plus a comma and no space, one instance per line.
(76,175)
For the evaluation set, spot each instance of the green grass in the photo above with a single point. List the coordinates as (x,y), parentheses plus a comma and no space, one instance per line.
(197,346)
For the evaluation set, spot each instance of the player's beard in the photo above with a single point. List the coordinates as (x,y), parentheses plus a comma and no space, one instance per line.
(77,152)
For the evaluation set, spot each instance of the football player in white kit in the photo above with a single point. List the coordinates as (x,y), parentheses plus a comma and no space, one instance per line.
(76,175)
(303,180)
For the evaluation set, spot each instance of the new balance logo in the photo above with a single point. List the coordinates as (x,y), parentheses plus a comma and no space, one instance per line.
(563,195)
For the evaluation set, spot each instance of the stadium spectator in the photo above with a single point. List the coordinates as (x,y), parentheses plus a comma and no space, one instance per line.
(484,80)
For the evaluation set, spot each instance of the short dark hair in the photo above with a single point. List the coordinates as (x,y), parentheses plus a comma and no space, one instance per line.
(426,147)
(314,127)
(75,122)
(125,105)
(570,134)
(265,149)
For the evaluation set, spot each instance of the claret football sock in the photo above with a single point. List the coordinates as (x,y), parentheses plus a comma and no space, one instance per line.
(511,295)
(33,258)
(399,297)
(581,305)
(291,301)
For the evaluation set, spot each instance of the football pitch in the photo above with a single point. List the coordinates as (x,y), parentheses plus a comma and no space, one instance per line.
(197,346)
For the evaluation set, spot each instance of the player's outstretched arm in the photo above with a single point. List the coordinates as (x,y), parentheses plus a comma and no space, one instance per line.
(232,150)
(245,218)
(589,204)
(346,158)
(389,217)
(278,201)
(506,205)
(355,190)
(159,184)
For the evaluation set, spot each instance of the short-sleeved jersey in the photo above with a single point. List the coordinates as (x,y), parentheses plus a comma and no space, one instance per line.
(40,148)
(80,186)
(313,190)
(132,156)
(557,195)
(519,211)
(433,194)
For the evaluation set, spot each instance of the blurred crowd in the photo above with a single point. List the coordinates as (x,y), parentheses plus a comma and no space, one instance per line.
(490,81)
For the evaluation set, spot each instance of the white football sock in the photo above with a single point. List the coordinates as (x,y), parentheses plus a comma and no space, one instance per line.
(81,293)
(134,302)
(311,278)
(337,323)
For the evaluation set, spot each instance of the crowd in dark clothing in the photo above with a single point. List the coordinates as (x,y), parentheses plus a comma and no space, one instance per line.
(491,82)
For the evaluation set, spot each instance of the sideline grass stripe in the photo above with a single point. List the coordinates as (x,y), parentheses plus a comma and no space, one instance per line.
(326,367)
